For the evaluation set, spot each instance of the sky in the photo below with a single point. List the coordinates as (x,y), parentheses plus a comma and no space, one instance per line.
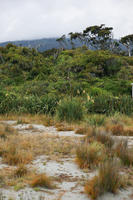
(35,19)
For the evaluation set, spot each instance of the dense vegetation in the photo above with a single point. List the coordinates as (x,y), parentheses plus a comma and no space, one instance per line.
(33,82)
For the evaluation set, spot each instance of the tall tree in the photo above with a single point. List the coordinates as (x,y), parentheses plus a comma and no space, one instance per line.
(62,41)
(127,41)
(98,37)
(75,36)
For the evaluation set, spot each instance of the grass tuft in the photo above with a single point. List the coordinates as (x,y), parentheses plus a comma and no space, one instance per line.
(107,180)
(88,155)
(42,180)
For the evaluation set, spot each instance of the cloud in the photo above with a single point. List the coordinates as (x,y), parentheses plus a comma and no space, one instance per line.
(31,19)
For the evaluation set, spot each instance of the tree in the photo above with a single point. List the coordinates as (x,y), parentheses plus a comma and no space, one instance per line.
(127,41)
(62,41)
(74,36)
(98,37)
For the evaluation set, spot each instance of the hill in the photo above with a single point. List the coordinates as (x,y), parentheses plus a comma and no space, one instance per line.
(35,82)
(39,44)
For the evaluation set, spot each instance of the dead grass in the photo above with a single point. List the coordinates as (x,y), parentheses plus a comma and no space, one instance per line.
(124,153)
(107,180)
(29,119)
(20,171)
(90,155)
(83,130)
(120,130)
(6,131)
(42,180)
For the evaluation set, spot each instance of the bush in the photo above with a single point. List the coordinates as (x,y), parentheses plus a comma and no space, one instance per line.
(70,110)
(108,180)
(109,105)
(88,155)
(96,120)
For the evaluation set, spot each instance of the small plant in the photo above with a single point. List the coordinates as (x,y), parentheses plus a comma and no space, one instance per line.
(82,130)
(42,180)
(107,180)
(117,129)
(70,110)
(88,155)
(96,120)
(20,171)
(13,156)
(6,131)
(124,153)
(105,139)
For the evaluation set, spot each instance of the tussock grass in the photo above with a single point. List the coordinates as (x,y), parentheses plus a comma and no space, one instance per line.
(6,131)
(20,171)
(107,180)
(83,130)
(42,180)
(124,153)
(90,155)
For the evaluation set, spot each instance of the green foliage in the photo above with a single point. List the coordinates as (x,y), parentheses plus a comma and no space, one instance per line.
(96,120)
(70,110)
(28,104)
(109,105)
(34,82)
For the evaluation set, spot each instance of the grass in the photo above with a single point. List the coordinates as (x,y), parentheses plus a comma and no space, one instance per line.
(91,151)
(96,120)
(42,180)
(124,153)
(6,131)
(107,180)
(20,171)
(104,138)
(90,155)
(70,110)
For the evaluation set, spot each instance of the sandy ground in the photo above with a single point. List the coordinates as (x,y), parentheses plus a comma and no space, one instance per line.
(70,186)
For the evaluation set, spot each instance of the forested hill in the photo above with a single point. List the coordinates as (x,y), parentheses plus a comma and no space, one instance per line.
(40,44)
(29,76)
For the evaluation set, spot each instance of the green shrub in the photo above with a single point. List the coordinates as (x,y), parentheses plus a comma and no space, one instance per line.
(96,120)
(70,110)
(109,105)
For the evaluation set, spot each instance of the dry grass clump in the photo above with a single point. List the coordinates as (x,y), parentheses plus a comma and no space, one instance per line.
(13,156)
(105,139)
(88,155)
(84,130)
(100,135)
(42,180)
(120,129)
(64,128)
(6,131)
(117,129)
(107,180)
(124,153)
(15,150)
(20,171)
(128,131)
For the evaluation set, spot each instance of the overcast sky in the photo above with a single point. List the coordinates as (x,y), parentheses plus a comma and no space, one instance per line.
(33,19)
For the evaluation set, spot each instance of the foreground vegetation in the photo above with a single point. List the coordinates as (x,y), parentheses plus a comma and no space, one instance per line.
(99,150)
